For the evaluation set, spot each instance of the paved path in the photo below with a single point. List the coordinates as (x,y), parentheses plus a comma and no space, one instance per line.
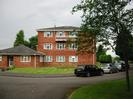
(46,88)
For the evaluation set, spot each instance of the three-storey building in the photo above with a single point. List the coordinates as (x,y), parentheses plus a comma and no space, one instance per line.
(53,42)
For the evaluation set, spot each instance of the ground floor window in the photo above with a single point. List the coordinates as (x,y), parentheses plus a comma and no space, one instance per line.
(60,58)
(73,58)
(25,58)
(48,59)
(41,58)
(0,58)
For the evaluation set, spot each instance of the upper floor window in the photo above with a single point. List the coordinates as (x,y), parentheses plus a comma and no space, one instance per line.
(0,58)
(25,59)
(73,34)
(60,58)
(60,46)
(48,34)
(48,46)
(73,46)
(60,34)
(73,58)
(48,59)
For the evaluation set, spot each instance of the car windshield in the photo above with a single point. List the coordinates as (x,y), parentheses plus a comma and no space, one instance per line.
(106,65)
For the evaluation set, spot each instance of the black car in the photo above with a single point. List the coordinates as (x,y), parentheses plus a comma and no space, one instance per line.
(88,70)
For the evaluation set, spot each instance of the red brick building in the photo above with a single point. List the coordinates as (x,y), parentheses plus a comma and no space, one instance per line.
(52,50)
(52,42)
(20,56)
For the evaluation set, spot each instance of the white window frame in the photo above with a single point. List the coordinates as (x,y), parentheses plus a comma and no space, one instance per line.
(73,46)
(48,34)
(25,58)
(0,58)
(60,59)
(60,34)
(73,35)
(41,58)
(48,46)
(73,58)
(60,46)
(48,59)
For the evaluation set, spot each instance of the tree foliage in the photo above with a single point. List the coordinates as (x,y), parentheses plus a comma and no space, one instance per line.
(33,41)
(100,51)
(110,22)
(19,38)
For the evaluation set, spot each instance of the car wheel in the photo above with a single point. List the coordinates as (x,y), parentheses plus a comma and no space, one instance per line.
(101,73)
(77,75)
(88,75)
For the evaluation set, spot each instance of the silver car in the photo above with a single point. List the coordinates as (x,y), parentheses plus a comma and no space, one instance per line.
(109,68)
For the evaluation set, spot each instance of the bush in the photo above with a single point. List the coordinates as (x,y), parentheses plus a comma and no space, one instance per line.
(105,58)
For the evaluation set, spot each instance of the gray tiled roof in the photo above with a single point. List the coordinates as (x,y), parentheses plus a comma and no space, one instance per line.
(20,50)
(60,28)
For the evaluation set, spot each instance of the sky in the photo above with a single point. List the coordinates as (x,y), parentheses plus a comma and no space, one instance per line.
(30,15)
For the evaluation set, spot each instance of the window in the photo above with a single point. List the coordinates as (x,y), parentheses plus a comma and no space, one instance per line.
(60,34)
(60,58)
(60,46)
(73,34)
(48,46)
(41,58)
(48,59)
(48,34)
(25,59)
(73,46)
(0,58)
(73,58)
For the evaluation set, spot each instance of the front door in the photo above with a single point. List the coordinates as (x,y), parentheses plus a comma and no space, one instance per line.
(10,60)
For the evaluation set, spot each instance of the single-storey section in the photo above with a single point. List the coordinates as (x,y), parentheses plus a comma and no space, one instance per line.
(20,56)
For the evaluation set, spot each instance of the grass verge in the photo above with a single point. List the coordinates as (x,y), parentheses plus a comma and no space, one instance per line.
(107,90)
(46,70)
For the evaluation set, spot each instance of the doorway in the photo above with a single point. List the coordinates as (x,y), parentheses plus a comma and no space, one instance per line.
(10,61)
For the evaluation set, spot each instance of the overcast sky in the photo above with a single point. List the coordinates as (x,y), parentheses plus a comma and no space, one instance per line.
(30,15)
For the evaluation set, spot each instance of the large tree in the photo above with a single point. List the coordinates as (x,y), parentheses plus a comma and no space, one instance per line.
(19,38)
(107,20)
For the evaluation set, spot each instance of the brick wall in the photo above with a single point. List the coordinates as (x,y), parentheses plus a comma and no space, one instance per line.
(4,62)
(82,59)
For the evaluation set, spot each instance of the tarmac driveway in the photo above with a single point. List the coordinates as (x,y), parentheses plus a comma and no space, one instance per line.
(46,88)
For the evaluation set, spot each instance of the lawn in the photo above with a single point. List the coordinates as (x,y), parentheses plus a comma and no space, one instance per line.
(46,70)
(107,90)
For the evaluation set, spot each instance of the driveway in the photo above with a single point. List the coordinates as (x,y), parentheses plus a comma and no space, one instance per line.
(46,88)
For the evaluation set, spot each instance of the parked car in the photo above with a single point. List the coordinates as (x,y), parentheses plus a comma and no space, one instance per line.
(109,68)
(120,66)
(88,70)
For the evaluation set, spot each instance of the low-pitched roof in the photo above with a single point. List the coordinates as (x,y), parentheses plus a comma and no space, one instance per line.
(60,28)
(19,50)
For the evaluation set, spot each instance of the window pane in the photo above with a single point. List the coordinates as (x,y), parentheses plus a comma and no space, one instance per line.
(47,34)
(60,46)
(73,58)
(60,58)
(60,34)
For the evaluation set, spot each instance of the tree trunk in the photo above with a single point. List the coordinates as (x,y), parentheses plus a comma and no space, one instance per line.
(127,74)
